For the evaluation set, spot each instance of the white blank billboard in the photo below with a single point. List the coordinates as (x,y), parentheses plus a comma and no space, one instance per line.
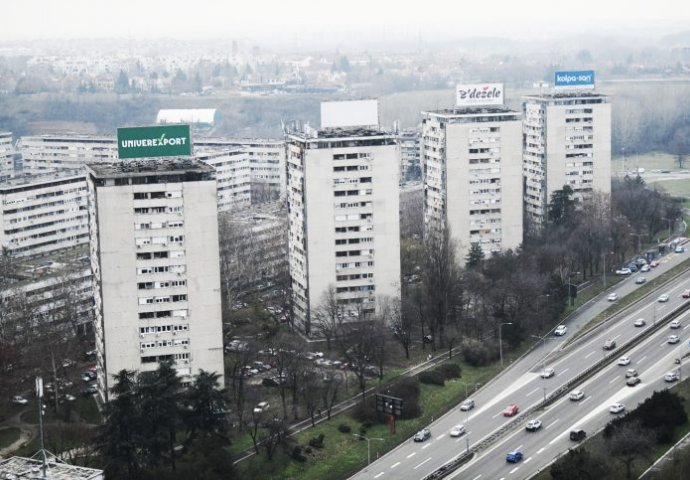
(356,113)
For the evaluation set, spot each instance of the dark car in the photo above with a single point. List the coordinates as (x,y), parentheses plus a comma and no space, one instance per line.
(632,381)
(514,457)
(577,435)
(422,435)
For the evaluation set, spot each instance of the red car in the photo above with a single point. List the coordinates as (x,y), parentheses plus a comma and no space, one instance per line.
(511,410)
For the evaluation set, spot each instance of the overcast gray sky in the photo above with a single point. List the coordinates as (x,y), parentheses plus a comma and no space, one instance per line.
(40,19)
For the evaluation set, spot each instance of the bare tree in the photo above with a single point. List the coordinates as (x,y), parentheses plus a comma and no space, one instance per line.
(329,316)
(330,391)
(401,321)
(628,442)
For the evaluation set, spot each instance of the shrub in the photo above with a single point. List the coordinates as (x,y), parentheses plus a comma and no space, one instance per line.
(449,370)
(317,442)
(432,377)
(297,454)
(344,428)
(478,353)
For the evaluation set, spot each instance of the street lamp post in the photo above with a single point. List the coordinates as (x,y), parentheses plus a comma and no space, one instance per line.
(500,340)
(543,361)
(364,437)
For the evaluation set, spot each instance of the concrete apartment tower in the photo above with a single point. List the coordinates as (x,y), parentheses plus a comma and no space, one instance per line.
(343,202)
(472,171)
(567,141)
(155,258)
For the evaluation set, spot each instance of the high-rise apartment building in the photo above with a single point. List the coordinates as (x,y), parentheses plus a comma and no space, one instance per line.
(62,152)
(233,176)
(567,141)
(43,213)
(7,154)
(472,166)
(343,214)
(409,156)
(155,259)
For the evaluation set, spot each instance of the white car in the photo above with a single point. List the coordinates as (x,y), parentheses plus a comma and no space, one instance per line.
(548,372)
(533,425)
(457,430)
(673,339)
(623,271)
(645,268)
(663,298)
(19,400)
(261,407)
(467,405)
(617,408)
(640,280)
(612,297)
(576,395)
(623,361)
(671,377)
(640,322)
(674,324)
(560,330)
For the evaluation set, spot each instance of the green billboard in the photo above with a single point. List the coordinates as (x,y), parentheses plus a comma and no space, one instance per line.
(158,141)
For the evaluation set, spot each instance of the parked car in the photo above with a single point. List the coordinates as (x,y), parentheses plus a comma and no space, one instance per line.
(90,390)
(632,381)
(422,435)
(457,430)
(640,280)
(617,408)
(674,324)
(612,297)
(609,344)
(548,372)
(671,377)
(623,361)
(576,395)
(644,268)
(653,264)
(261,407)
(514,457)
(673,339)
(467,405)
(533,425)
(578,435)
(510,410)
(623,271)
(640,322)
(70,398)
(631,372)
(663,298)
(560,330)
(19,400)
(679,249)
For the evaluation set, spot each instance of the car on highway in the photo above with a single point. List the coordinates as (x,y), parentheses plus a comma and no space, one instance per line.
(19,400)
(612,297)
(645,268)
(422,435)
(640,280)
(631,372)
(673,339)
(663,298)
(457,430)
(609,344)
(533,425)
(578,435)
(640,322)
(510,410)
(514,457)
(671,377)
(617,408)
(623,361)
(576,395)
(623,271)
(560,330)
(674,324)
(632,381)
(467,405)
(548,372)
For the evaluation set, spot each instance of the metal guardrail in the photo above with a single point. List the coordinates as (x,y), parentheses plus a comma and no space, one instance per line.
(457,462)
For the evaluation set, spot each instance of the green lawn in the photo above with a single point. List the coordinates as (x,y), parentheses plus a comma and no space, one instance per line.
(648,161)
(8,436)
(676,188)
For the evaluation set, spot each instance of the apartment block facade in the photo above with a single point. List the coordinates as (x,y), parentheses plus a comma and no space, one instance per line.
(64,152)
(471,170)
(567,141)
(7,154)
(155,259)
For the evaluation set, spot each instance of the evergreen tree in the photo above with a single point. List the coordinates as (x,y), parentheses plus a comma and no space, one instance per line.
(474,257)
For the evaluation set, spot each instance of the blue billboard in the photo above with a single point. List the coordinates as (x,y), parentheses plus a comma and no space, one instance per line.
(577,79)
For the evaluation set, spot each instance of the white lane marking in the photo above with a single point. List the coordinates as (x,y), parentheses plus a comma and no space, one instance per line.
(585,399)
(533,391)
(477,477)
(615,379)
(663,344)
(528,460)
(441,436)
(377,476)
(541,450)
(395,464)
(514,470)
(589,354)
(616,336)
(554,440)
(687,326)
(412,454)
(641,359)
(518,448)
(497,414)
(419,465)
(426,446)
(551,425)
(562,371)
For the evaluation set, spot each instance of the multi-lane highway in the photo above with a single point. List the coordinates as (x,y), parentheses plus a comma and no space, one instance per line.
(523,385)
